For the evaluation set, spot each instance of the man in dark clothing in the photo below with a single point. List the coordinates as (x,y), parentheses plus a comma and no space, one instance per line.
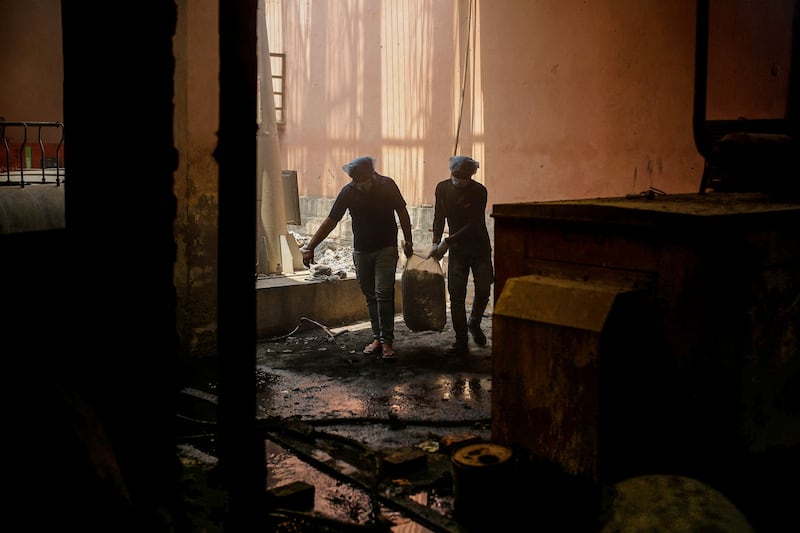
(461,202)
(373,200)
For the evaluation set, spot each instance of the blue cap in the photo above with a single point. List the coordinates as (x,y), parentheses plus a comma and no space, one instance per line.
(360,167)
(463,165)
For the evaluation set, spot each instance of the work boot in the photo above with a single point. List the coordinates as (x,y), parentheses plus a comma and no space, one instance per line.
(460,347)
(477,333)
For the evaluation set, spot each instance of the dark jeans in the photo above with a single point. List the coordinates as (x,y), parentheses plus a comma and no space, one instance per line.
(458,269)
(376,273)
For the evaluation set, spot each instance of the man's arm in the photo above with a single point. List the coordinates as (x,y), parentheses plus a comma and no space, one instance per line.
(405,225)
(439,216)
(322,232)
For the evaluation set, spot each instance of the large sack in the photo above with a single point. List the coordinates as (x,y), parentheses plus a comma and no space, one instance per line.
(424,304)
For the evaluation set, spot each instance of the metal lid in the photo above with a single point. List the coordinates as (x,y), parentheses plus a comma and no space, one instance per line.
(485,454)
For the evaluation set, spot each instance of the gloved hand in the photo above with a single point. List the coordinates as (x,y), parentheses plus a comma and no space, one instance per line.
(308,255)
(438,250)
(408,249)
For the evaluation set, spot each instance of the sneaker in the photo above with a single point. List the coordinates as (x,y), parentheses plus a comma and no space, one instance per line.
(477,334)
(458,348)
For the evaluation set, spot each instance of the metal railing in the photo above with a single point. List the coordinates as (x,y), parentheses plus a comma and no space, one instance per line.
(19,161)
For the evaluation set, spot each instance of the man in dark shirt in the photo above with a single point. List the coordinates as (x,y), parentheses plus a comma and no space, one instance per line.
(373,200)
(461,202)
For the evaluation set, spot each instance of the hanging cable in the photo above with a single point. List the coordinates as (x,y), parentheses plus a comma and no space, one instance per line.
(464,81)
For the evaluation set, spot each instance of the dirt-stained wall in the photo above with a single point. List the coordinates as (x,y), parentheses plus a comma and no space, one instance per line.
(196,48)
(557,99)
(596,102)
(32,65)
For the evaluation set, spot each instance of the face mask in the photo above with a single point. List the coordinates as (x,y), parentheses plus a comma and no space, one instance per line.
(364,186)
(459,183)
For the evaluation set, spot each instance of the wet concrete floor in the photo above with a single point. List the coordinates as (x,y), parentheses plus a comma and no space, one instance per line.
(333,413)
(419,403)
(324,376)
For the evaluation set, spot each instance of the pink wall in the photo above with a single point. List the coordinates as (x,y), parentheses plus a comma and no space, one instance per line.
(749,59)
(596,101)
(376,78)
(565,98)
(31,68)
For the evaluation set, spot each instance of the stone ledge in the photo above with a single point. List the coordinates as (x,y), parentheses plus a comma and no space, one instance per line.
(281,301)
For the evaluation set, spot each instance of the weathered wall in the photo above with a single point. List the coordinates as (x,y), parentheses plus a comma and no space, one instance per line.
(196,48)
(563,99)
(599,102)
(32,67)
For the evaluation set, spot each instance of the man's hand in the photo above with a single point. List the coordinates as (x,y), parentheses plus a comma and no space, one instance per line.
(308,255)
(438,250)
(408,249)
